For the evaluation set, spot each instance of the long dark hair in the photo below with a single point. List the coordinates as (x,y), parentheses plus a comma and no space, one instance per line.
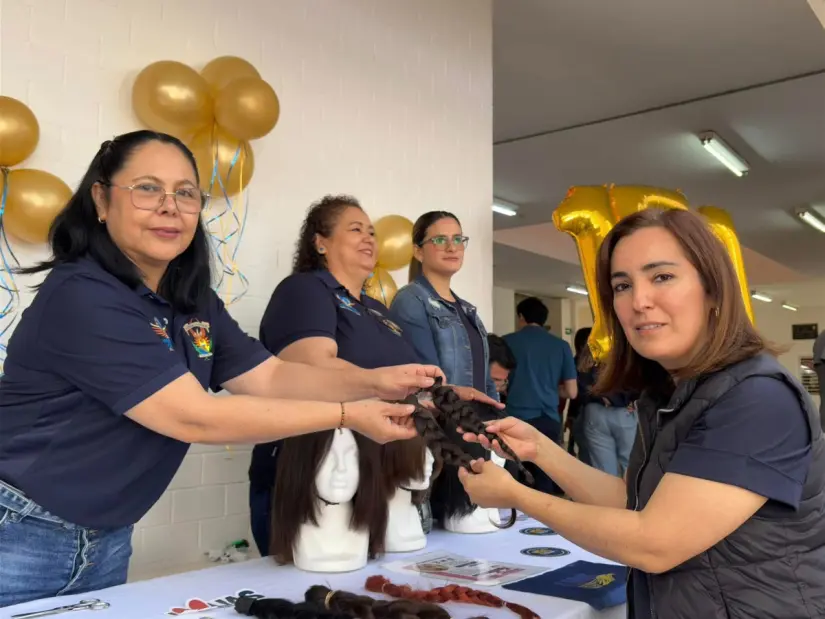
(295,498)
(731,334)
(321,219)
(76,231)
(419,234)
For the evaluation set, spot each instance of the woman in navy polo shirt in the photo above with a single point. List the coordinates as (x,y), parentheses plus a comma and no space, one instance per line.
(722,513)
(320,316)
(107,373)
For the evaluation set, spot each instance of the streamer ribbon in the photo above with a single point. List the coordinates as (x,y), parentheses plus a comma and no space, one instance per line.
(8,287)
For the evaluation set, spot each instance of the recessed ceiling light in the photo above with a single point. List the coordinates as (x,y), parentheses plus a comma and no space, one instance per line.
(761,297)
(724,153)
(577,290)
(790,307)
(504,208)
(812,219)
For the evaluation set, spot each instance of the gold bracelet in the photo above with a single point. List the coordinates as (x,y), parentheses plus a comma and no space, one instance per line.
(343,416)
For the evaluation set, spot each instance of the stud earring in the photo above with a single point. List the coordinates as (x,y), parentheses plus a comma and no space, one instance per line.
(322,250)
(716,312)
(101,220)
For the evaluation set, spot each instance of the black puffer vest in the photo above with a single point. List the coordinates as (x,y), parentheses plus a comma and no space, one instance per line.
(773,566)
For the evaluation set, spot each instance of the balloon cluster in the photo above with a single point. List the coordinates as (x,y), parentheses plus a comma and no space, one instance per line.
(393,234)
(215,112)
(29,199)
(588,213)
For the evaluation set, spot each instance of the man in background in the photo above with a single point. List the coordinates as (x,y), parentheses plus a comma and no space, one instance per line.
(819,367)
(502,362)
(545,371)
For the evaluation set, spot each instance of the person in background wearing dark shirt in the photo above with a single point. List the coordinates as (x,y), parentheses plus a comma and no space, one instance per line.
(544,371)
(721,513)
(321,317)
(577,444)
(502,362)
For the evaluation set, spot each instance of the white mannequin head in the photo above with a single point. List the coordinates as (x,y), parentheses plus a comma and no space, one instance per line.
(423,482)
(338,475)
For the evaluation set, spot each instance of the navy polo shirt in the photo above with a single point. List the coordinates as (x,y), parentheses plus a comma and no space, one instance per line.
(314,304)
(87,350)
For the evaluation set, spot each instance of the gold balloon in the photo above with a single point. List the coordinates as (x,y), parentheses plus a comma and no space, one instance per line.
(393,234)
(172,97)
(213,144)
(627,199)
(247,108)
(381,286)
(33,201)
(19,132)
(221,71)
(722,225)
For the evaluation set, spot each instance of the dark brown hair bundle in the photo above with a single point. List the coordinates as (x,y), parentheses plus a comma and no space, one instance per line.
(449,593)
(365,607)
(295,499)
(403,461)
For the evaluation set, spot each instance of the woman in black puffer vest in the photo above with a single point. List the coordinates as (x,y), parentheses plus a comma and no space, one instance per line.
(722,512)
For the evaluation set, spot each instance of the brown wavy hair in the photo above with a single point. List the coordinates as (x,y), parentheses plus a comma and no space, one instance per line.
(295,499)
(731,336)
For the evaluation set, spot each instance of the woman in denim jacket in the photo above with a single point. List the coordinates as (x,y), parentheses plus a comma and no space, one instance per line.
(444,329)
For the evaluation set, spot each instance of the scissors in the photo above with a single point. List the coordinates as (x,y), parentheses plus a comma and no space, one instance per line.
(81,605)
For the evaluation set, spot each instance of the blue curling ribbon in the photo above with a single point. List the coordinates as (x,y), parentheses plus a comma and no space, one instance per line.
(8,287)
(230,242)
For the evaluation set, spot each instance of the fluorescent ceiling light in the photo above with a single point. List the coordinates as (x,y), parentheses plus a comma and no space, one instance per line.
(504,208)
(788,306)
(813,220)
(577,290)
(761,297)
(724,153)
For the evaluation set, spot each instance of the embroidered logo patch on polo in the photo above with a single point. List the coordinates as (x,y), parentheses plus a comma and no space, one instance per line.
(385,321)
(198,333)
(162,332)
(545,551)
(344,302)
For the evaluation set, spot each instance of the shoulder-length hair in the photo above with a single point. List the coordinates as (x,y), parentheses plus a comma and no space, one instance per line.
(295,499)
(731,336)
(76,231)
(403,461)
(319,221)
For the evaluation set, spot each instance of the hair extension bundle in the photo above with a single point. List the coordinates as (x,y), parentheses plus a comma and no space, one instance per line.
(401,462)
(449,593)
(276,608)
(365,607)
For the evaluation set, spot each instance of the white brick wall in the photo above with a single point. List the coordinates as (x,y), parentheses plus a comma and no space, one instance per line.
(390,100)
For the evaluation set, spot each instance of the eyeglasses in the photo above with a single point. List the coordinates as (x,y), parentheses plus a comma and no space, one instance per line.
(150,197)
(443,241)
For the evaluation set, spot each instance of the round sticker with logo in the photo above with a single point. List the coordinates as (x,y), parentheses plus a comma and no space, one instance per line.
(545,551)
(538,531)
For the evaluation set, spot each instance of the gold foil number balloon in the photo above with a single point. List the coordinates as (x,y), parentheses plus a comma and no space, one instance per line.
(234,158)
(247,108)
(393,234)
(220,72)
(173,98)
(589,213)
(19,132)
(381,286)
(33,201)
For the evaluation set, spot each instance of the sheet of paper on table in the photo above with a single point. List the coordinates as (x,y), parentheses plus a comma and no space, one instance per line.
(443,565)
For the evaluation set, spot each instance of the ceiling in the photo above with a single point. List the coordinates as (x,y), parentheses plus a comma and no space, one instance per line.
(599,92)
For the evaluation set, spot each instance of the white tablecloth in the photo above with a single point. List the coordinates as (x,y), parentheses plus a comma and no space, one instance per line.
(155,598)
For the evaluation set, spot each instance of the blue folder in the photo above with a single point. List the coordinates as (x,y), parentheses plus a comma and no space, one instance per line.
(601,585)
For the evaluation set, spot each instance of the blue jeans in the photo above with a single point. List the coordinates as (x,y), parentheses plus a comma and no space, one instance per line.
(610,433)
(42,556)
(551,428)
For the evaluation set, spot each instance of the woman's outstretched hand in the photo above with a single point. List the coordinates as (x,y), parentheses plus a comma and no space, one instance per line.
(396,382)
(489,485)
(474,395)
(380,421)
(519,436)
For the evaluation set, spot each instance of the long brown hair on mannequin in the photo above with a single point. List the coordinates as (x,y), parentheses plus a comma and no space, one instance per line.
(295,499)
(403,461)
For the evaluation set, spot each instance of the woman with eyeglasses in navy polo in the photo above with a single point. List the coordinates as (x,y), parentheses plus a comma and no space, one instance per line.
(321,316)
(106,377)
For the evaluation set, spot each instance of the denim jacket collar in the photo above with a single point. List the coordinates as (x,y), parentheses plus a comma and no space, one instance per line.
(468,308)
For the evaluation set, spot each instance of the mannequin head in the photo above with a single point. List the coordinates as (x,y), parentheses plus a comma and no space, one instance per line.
(338,472)
(301,487)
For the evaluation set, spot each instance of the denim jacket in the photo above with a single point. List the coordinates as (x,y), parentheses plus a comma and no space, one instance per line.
(435,330)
